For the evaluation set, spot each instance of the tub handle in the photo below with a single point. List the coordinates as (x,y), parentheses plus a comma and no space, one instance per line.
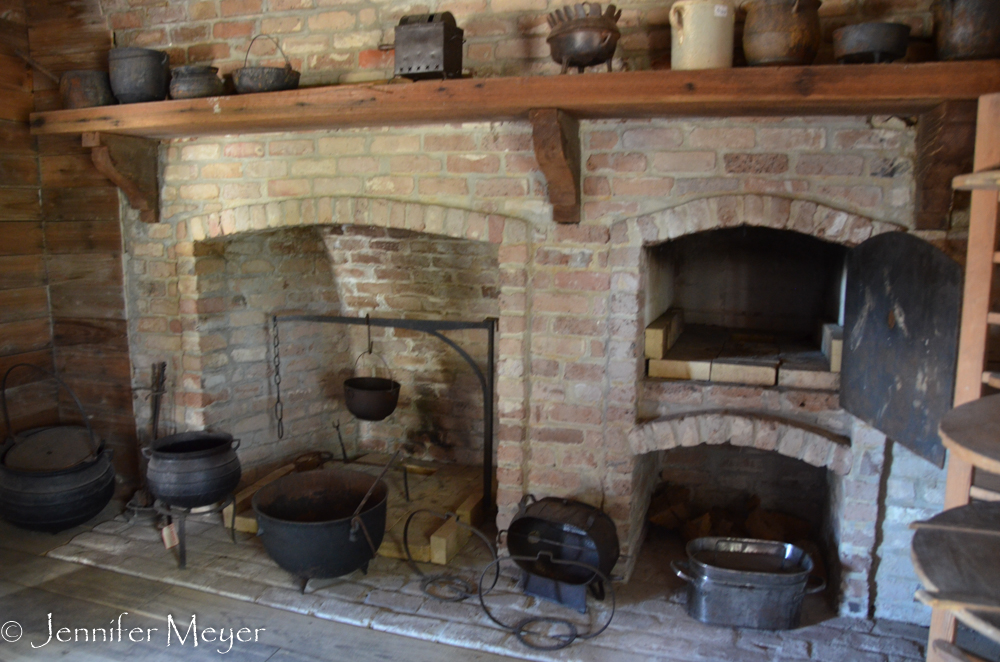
(681,569)
(147,452)
(235,444)
(818,585)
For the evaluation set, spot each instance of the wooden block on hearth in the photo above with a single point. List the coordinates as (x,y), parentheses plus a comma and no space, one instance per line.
(663,332)
(734,371)
(833,345)
(680,369)
(246,521)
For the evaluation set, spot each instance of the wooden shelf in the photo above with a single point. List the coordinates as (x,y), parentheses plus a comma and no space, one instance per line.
(972,432)
(988,180)
(784,91)
(954,555)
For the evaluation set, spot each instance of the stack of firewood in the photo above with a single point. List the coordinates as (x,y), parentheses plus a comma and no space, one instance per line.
(671,509)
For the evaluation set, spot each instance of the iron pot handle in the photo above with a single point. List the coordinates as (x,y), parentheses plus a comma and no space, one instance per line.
(147,452)
(235,444)
(95,446)
(817,587)
(681,569)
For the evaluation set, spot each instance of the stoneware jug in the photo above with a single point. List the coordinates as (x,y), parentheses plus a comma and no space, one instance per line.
(967,29)
(781,32)
(701,34)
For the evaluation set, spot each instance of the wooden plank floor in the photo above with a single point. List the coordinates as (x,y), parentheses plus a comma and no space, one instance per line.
(78,597)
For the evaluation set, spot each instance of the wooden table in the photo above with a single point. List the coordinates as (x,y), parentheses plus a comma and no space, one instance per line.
(956,555)
(972,432)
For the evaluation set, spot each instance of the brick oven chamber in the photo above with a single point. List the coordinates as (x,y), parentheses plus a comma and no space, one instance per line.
(451,222)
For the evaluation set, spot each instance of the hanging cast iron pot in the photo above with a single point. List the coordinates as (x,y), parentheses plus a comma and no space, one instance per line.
(371,398)
(192,469)
(53,478)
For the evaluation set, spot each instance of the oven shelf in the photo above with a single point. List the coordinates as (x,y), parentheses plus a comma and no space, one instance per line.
(785,91)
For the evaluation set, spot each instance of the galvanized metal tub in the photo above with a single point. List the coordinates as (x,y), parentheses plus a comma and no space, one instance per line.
(746,583)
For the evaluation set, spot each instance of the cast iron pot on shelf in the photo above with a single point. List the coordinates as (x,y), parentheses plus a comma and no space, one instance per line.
(53,478)
(192,469)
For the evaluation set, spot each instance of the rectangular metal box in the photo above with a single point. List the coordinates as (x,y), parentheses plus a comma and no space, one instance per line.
(429,46)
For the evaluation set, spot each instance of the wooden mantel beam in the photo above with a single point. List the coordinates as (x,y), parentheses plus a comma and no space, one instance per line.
(131,165)
(786,91)
(557,148)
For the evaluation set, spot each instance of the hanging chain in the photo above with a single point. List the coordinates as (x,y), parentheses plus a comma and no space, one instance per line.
(279,407)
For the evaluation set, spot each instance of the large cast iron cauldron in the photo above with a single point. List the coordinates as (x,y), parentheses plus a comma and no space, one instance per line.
(305,521)
(53,478)
(563,530)
(192,469)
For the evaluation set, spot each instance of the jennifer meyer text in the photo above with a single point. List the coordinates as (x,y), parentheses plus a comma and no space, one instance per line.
(175,633)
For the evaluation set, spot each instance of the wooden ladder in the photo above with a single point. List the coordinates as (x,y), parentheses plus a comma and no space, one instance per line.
(982,258)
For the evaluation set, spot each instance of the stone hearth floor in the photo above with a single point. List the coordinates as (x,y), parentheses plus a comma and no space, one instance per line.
(650,621)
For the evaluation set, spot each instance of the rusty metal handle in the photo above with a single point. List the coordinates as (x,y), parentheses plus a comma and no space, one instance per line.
(95,447)
(379,357)
(288,63)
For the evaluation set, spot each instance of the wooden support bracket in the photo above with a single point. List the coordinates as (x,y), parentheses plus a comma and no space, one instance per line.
(131,164)
(945,144)
(557,147)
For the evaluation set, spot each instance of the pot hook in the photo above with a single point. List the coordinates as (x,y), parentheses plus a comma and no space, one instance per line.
(356,521)
(368,325)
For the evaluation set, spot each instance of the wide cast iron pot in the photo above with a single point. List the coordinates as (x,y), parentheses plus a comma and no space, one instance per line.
(747,583)
(305,521)
(192,469)
(53,501)
(563,530)
(53,478)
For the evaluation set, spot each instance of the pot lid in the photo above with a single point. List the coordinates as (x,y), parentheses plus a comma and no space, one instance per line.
(50,449)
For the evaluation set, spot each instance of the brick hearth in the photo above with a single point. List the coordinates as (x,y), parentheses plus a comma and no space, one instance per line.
(576,417)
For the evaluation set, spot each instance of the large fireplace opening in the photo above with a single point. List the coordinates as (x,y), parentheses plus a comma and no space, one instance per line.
(351,271)
(735,304)
(743,492)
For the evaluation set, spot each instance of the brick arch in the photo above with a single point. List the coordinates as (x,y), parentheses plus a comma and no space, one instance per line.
(726,211)
(758,430)
(377,212)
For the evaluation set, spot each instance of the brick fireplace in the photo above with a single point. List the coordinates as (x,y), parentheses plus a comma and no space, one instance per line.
(452,222)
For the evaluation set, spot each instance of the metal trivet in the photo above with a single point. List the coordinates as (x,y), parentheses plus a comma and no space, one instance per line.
(170,512)
(456,588)
(520,629)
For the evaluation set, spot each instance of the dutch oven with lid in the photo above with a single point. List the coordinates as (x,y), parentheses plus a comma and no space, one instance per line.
(551,530)
(192,469)
(53,478)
